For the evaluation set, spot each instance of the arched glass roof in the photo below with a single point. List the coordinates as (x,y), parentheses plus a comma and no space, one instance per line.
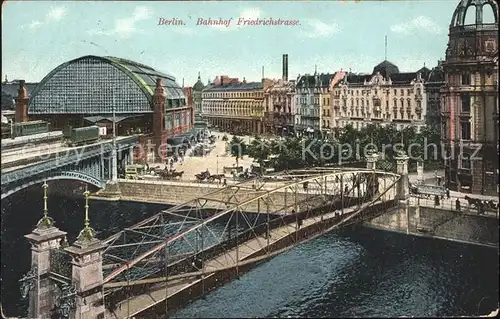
(98,85)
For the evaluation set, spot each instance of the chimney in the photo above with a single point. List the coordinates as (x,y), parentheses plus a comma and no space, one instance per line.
(159,138)
(285,67)
(22,99)
(221,79)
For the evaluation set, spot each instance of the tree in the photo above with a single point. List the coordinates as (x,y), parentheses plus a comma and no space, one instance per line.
(237,148)
(259,150)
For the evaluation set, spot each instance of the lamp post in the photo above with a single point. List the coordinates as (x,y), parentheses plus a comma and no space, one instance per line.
(114,160)
(217,164)
(11,122)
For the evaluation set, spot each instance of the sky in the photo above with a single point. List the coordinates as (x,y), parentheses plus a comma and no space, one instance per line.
(37,36)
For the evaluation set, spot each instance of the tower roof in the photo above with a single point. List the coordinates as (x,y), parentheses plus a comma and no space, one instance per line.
(385,68)
(458,18)
(198,86)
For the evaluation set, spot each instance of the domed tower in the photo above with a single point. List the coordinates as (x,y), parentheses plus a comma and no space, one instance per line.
(469,98)
(198,87)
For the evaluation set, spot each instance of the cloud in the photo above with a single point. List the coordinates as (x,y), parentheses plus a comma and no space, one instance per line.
(319,29)
(55,14)
(125,27)
(250,14)
(420,23)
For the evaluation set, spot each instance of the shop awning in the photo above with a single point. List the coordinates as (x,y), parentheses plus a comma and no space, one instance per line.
(177,140)
(98,118)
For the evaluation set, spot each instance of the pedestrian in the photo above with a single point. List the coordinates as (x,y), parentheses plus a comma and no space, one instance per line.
(448,193)
(457,204)
(224,183)
(436,200)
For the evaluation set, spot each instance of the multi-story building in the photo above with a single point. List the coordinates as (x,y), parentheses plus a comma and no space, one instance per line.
(197,91)
(309,92)
(326,111)
(279,104)
(384,97)
(432,89)
(235,106)
(469,98)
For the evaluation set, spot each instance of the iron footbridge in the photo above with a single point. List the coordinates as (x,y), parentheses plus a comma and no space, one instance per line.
(186,250)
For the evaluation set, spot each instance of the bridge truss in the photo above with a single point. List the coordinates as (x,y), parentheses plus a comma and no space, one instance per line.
(234,226)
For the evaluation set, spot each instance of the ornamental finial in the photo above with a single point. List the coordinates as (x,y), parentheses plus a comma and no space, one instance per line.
(46,221)
(87,233)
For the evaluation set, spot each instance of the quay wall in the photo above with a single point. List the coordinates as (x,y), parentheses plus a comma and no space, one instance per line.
(176,194)
(439,223)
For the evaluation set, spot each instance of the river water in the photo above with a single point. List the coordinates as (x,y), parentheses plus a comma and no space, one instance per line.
(358,272)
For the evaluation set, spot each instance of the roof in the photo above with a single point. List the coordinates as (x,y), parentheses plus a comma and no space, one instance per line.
(308,80)
(144,76)
(9,92)
(198,86)
(235,87)
(386,68)
(403,78)
(436,75)
(357,78)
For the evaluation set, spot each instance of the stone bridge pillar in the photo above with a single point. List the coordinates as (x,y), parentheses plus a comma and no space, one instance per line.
(87,276)
(43,292)
(403,190)
(372,184)
(371,160)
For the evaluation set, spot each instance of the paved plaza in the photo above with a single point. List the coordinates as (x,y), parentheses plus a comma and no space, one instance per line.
(214,161)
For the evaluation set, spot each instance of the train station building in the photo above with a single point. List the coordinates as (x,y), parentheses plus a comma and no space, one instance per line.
(90,90)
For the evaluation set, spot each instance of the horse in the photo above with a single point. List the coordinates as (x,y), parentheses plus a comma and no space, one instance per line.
(164,174)
(202,176)
(177,174)
(218,177)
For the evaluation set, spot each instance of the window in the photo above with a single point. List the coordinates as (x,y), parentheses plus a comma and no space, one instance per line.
(465,130)
(466,78)
(465,103)
(465,162)
(402,92)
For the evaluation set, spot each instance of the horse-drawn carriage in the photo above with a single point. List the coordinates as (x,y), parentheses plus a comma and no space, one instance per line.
(209,177)
(170,175)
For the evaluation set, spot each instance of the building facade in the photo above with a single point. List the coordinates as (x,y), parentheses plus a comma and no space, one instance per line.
(234,106)
(432,88)
(469,99)
(384,97)
(279,101)
(310,91)
(89,90)
(280,108)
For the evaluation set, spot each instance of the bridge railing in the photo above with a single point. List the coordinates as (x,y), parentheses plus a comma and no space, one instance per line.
(316,201)
(63,158)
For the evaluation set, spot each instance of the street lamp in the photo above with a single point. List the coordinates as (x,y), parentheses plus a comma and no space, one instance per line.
(114,160)
(217,164)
